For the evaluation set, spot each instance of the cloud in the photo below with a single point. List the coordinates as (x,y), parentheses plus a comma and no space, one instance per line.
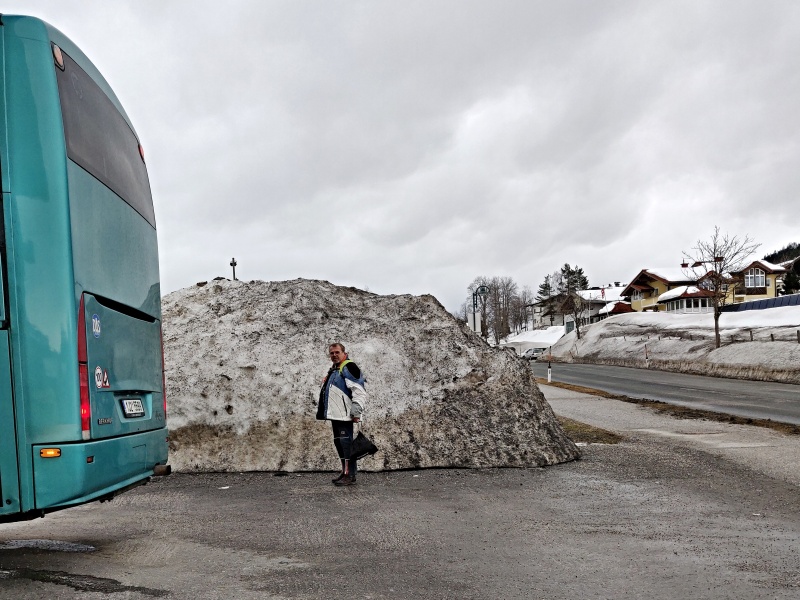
(409,147)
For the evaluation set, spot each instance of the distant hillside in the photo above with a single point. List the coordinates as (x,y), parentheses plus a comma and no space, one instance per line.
(788,253)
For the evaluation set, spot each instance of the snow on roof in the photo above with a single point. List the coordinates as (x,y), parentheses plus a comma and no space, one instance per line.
(610,307)
(678,292)
(671,274)
(769,265)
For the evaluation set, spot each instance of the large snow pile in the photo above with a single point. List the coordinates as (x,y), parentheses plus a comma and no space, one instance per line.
(244,364)
(755,344)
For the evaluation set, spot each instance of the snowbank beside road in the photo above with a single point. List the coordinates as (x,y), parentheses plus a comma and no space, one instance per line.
(756,344)
(536,338)
(244,363)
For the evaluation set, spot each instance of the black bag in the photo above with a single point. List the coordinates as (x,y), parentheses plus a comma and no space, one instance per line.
(362,446)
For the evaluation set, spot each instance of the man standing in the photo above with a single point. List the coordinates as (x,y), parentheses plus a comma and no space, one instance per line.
(342,400)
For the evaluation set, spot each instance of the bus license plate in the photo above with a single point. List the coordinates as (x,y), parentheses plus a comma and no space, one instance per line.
(132,407)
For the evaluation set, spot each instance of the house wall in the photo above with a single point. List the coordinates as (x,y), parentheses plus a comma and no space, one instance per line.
(736,294)
(770,291)
(543,320)
(649,298)
(688,305)
(743,294)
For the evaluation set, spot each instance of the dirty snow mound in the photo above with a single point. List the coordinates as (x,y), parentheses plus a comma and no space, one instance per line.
(757,344)
(244,364)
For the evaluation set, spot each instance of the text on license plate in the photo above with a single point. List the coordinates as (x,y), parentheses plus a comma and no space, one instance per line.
(132,407)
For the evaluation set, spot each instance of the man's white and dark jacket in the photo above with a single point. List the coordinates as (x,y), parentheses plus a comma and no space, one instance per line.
(343,394)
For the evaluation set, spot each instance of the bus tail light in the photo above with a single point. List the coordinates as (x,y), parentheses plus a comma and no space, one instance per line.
(83,374)
(82,334)
(86,407)
(163,375)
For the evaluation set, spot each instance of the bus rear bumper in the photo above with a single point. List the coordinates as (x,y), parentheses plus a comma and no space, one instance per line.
(92,470)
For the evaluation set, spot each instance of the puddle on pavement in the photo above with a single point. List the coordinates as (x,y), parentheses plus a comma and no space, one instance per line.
(49,545)
(81,583)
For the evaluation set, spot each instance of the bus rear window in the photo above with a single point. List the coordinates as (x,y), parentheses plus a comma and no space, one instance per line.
(100,140)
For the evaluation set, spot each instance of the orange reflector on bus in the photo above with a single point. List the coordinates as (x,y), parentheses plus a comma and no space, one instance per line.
(58,57)
(141,152)
(50,452)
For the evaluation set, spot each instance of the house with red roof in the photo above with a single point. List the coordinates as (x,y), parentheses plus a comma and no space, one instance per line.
(678,290)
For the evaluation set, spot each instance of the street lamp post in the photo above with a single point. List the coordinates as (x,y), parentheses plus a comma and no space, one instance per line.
(481,290)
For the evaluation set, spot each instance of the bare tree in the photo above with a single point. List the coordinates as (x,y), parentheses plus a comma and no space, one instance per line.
(519,309)
(574,305)
(716,264)
(502,291)
(496,312)
(481,303)
(497,306)
(462,313)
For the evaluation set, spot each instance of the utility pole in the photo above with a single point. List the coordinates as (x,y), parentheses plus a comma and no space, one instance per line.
(233,264)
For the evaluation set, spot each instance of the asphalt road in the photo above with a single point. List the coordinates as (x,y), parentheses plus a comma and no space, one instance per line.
(679,509)
(755,399)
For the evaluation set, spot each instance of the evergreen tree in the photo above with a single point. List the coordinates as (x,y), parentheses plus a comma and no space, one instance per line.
(572,279)
(788,253)
(546,290)
(791,283)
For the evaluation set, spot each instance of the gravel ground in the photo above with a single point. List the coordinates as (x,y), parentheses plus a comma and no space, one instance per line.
(679,509)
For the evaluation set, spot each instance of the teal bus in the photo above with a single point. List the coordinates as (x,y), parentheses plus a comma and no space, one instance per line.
(82,395)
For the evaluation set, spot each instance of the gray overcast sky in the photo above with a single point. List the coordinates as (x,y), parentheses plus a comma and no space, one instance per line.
(410,146)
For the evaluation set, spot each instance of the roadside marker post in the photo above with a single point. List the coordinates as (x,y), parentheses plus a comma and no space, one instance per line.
(549,373)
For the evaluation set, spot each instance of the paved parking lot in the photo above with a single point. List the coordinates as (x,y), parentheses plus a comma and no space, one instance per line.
(661,515)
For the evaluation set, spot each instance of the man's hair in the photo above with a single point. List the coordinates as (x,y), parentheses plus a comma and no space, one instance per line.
(337,344)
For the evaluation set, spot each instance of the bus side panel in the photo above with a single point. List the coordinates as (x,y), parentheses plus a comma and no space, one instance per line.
(42,308)
(87,471)
(9,480)
(3,138)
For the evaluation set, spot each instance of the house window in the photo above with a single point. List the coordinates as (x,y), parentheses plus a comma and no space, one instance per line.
(754,278)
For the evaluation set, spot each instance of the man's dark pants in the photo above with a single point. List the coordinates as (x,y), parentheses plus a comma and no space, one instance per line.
(343,440)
